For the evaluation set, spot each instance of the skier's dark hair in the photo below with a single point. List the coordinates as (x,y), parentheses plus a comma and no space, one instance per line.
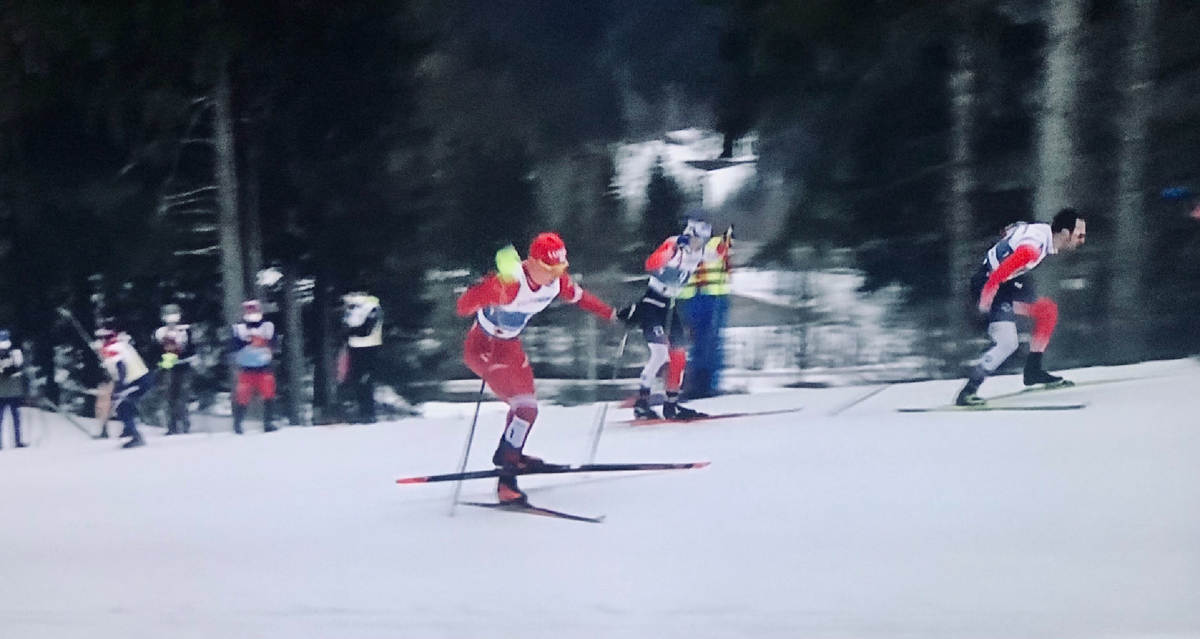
(1065,220)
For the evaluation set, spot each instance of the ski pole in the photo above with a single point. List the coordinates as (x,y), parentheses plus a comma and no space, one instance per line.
(462,467)
(78,327)
(844,407)
(65,415)
(604,405)
(65,312)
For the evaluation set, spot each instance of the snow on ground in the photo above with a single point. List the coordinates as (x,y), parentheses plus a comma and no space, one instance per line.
(867,523)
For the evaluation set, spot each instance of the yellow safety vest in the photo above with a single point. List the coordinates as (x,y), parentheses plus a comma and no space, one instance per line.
(711,277)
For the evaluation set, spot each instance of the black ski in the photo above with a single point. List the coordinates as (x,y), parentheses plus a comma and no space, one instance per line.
(707,418)
(986,407)
(548,470)
(1061,386)
(530,509)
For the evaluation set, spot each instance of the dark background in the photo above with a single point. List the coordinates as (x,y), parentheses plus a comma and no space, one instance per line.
(377,144)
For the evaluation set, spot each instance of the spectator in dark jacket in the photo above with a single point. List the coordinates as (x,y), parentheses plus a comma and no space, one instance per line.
(363,321)
(174,341)
(12,385)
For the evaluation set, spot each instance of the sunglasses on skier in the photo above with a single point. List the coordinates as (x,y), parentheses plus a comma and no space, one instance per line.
(553,269)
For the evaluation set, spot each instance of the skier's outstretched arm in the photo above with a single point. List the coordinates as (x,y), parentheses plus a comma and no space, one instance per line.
(572,293)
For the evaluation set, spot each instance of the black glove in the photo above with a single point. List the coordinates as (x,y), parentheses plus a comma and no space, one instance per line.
(629,314)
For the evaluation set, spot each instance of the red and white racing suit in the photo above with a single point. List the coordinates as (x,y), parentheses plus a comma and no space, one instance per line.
(492,349)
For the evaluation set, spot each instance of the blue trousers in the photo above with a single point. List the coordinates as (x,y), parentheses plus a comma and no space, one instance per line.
(707,315)
(13,404)
(127,404)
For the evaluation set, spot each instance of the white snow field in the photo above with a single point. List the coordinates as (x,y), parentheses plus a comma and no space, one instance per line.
(868,523)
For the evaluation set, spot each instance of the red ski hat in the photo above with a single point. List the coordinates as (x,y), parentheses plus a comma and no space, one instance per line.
(549,249)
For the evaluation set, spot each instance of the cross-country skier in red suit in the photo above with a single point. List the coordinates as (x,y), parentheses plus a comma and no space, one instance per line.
(502,304)
(1003,292)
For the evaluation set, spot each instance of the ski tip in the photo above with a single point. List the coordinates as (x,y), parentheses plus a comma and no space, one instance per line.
(700,464)
(413,480)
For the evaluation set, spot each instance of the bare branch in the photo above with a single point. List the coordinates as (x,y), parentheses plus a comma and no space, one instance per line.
(208,250)
(191,200)
(166,211)
(174,196)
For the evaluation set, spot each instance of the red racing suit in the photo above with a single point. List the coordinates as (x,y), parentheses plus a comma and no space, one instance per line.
(493,348)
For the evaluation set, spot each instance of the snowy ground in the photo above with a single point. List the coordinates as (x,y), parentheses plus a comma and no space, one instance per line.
(868,523)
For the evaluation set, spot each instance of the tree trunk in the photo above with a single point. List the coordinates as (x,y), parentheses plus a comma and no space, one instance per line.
(962,89)
(232,272)
(1126,328)
(555,190)
(43,359)
(1057,146)
(325,401)
(254,251)
(325,404)
(293,353)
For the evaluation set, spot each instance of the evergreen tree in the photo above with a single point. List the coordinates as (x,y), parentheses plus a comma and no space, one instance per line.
(662,216)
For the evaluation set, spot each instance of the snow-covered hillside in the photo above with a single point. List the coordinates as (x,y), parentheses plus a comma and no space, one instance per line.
(863,523)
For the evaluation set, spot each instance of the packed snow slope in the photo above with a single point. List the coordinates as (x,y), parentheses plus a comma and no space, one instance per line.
(864,523)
